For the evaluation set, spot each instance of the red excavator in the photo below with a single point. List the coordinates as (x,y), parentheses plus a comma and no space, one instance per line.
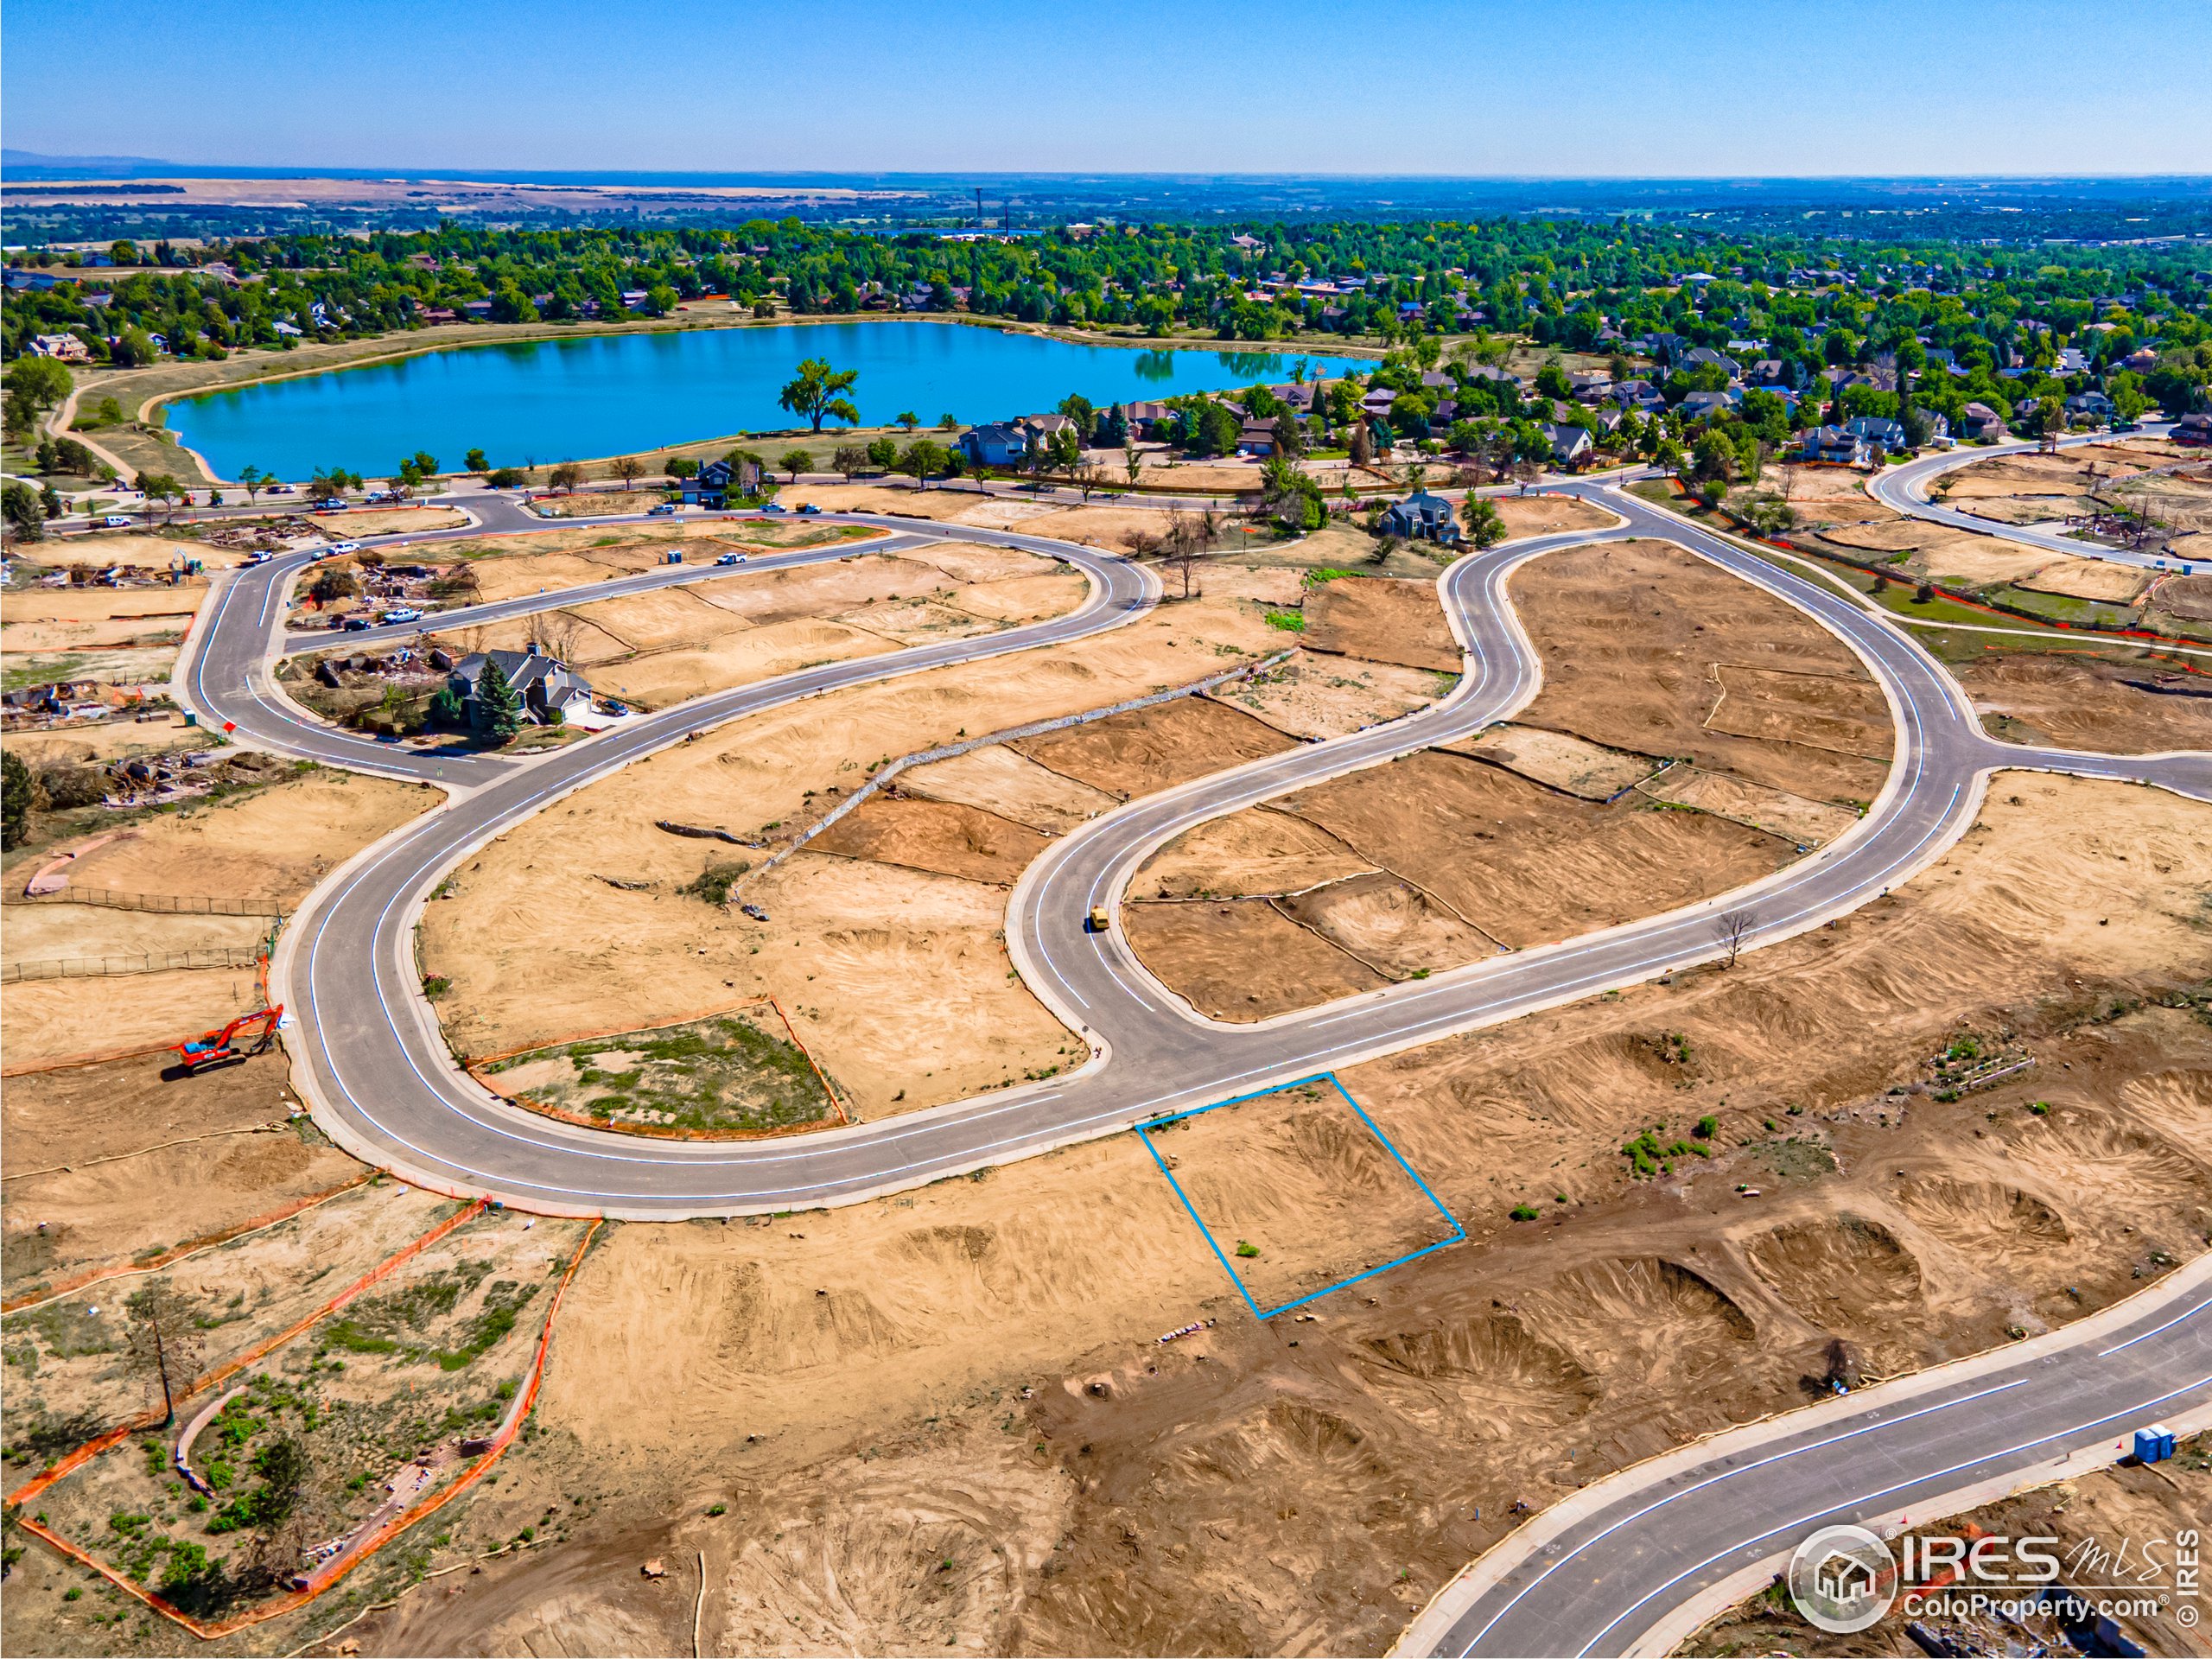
(249,1033)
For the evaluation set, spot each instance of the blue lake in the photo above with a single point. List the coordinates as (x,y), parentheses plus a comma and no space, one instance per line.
(573,399)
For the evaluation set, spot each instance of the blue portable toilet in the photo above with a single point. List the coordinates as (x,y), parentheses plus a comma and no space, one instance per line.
(2154,1444)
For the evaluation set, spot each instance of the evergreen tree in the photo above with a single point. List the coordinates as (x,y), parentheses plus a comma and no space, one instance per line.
(502,708)
(15,800)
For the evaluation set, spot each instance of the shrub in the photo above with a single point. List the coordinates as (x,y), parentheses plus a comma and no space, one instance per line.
(1245,1248)
(1525,1212)
(715,881)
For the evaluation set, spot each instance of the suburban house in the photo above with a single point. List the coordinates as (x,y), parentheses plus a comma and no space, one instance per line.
(1423,517)
(718,480)
(995,443)
(550,689)
(1837,445)
(1256,438)
(1881,434)
(1571,445)
(1981,424)
(2090,405)
(2192,429)
(63,348)
(1699,404)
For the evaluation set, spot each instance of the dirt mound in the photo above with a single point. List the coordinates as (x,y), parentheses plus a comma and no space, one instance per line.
(1846,1275)
(1382,619)
(2117,584)
(1647,1313)
(939,836)
(1980,1215)
(1495,1373)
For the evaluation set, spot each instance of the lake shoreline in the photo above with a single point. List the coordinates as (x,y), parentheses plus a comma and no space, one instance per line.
(610,388)
(273,368)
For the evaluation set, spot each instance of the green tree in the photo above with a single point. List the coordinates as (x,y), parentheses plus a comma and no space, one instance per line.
(162,1340)
(1484,524)
(15,791)
(1132,461)
(818,393)
(883,452)
(416,471)
(25,518)
(476,461)
(566,476)
(907,419)
(252,480)
(41,382)
(502,709)
(134,348)
(923,460)
(1080,409)
(847,459)
(796,461)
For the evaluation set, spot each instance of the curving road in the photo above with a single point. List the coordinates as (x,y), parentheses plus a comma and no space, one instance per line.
(1600,1574)
(375,1066)
(1904,488)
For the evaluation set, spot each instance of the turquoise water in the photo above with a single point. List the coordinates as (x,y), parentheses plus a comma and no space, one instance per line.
(572,399)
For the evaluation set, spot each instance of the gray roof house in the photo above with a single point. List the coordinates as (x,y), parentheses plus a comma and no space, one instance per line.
(548,688)
(1882,435)
(1422,517)
(995,443)
(1571,445)
(1837,444)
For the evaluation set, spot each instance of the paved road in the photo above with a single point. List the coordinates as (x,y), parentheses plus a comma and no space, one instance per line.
(1905,489)
(377,1070)
(1644,1547)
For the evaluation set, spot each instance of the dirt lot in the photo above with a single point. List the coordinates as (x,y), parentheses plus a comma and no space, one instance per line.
(1147,750)
(388,521)
(978,1381)
(1560,759)
(1542,515)
(2077,703)
(2120,584)
(1317,697)
(1008,786)
(895,977)
(141,549)
(72,618)
(2090,1518)
(1243,959)
(1631,634)
(1247,855)
(106,741)
(1384,621)
(597,504)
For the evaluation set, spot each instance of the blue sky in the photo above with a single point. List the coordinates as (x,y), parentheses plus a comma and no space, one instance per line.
(1596,87)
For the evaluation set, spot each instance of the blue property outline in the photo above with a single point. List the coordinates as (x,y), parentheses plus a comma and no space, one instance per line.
(1144,1128)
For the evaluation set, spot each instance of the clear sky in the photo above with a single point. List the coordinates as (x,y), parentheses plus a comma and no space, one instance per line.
(1527,87)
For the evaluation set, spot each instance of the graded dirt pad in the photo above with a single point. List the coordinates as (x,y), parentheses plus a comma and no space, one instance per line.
(1197,1489)
(144,552)
(1002,513)
(50,1020)
(1629,632)
(1241,959)
(1545,515)
(1955,558)
(1010,785)
(1843,715)
(1144,750)
(597,505)
(1826,495)
(105,742)
(905,501)
(1321,696)
(1523,863)
(1247,854)
(388,521)
(2077,703)
(1560,758)
(2121,584)
(276,842)
(1382,619)
(896,980)
(2087,1518)
(1809,823)
(1109,527)
(2186,597)
(67,619)
(2021,475)
(1388,924)
(938,836)
(35,932)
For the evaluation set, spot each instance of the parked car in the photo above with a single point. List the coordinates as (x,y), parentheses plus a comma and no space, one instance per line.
(255,558)
(772,507)
(666,509)
(358,624)
(329,505)
(809,509)
(343,547)
(731,558)
(282,489)
(115,521)
(403,614)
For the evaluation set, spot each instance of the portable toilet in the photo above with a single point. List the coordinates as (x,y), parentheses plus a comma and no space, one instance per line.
(674,555)
(2154,1443)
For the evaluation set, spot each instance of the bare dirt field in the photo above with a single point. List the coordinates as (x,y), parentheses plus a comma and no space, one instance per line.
(142,550)
(1560,758)
(1957,558)
(1384,621)
(969,1373)
(49,930)
(1145,750)
(940,837)
(1317,697)
(1826,495)
(72,618)
(895,977)
(1630,633)
(2118,584)
(1243,959)
(388,521)
(2080,704)
(2089,1518)
(597,504)
(1809,823)
(1247,855)
(105,742)
(52,1019)
(1542,515)
(1010,785)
